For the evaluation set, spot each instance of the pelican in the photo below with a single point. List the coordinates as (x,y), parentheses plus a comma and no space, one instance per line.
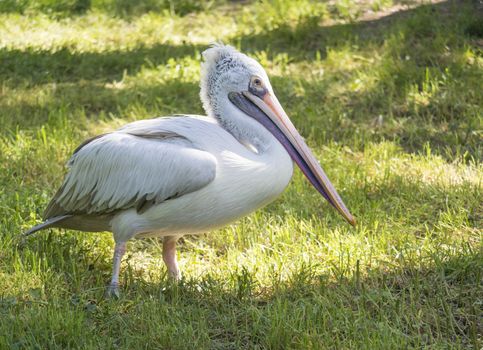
(188,174)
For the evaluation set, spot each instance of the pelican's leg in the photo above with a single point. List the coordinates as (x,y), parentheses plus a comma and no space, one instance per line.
(113,288)
(169,257)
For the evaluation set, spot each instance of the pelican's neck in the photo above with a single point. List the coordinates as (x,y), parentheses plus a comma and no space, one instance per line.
(244,128)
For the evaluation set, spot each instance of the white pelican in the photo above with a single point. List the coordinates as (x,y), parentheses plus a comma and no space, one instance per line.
(188,174)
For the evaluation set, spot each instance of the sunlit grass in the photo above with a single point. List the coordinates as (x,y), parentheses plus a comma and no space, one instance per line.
(391,105)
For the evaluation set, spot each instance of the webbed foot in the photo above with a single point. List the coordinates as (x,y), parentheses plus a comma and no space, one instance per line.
(112,291)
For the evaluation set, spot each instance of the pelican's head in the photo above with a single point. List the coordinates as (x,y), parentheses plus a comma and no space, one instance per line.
(230,77)
(226,70)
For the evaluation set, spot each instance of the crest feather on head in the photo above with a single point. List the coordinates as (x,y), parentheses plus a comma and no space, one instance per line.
(217,51)
(218,59)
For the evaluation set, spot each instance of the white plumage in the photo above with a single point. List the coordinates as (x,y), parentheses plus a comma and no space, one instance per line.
(187,174)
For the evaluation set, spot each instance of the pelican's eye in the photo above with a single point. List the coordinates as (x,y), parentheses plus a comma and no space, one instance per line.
(256,86)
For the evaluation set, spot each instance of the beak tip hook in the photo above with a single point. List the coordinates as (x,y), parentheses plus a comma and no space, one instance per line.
(352,220)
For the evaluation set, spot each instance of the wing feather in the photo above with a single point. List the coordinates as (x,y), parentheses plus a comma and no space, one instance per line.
(128,169)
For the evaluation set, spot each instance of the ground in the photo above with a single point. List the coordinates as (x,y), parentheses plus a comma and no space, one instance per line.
(388,94)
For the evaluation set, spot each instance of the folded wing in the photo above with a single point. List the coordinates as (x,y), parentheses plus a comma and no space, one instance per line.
(131,169)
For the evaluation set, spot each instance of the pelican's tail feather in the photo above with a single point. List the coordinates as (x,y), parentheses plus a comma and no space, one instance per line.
(46,224)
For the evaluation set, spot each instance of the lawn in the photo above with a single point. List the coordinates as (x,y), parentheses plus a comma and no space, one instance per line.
(388,94)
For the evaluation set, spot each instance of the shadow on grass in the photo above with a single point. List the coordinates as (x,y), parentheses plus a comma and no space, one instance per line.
(35,67)
(95,100)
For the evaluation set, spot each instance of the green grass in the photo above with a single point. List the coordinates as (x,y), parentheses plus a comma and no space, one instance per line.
(391,102)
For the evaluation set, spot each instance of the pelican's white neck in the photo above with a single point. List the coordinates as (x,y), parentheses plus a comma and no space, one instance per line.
(244,128)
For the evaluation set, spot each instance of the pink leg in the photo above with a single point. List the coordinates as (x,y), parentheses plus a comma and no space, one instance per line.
(113,288)
(169,256)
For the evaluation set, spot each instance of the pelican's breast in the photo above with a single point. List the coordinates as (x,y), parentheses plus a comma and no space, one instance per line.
(246,183)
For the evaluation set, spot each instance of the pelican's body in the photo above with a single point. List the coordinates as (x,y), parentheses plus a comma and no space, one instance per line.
(243,181)
(236,180)
(188,174)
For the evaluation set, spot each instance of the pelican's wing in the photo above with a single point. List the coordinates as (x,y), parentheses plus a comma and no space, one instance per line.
(131,169)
